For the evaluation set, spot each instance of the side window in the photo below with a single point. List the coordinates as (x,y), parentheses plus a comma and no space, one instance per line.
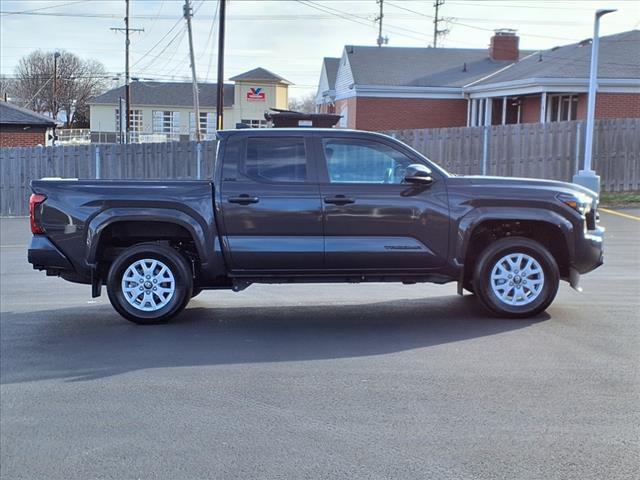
(281,159)
(364,161)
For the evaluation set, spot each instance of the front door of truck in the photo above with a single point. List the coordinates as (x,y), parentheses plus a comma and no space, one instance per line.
(271,206)
(373,219)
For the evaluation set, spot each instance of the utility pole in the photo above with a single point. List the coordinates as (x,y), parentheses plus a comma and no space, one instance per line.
(127,79)
(188,12)
(436,21)
(54,107)
(220,85)
(381,40)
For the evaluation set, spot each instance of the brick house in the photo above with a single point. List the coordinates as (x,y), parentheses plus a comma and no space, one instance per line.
(383,88)
(20,127)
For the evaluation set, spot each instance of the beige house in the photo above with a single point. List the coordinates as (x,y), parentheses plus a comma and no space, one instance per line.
(163,111)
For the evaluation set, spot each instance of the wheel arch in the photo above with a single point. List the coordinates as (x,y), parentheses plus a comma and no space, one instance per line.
(103,223)
(479,228)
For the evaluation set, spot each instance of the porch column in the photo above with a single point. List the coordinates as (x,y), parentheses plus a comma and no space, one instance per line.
(488,104)
(504,110)
(543,107)
(474,112)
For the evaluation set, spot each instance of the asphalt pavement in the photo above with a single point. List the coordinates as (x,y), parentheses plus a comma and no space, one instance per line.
(321,381)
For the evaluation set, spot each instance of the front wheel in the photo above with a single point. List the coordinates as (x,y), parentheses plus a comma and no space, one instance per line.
(516,277)
(149,283)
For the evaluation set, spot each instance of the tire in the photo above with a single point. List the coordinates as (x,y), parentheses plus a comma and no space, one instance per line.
(196,291)
(165,289)
(518,295)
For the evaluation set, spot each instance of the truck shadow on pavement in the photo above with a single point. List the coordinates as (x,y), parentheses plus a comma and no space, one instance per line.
(87,343)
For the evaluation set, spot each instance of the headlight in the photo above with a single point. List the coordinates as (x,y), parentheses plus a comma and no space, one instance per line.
(579,202)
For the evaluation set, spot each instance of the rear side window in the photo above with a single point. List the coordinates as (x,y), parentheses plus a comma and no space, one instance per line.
(276,159)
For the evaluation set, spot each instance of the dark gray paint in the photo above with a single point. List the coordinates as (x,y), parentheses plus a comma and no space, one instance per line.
(290,233)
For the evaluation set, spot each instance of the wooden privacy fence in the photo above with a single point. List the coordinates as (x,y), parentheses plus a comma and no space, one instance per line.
(552,150)
(535,150)
(149,161)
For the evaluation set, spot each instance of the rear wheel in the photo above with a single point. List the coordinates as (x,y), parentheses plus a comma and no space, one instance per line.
(149,283)
(516,277)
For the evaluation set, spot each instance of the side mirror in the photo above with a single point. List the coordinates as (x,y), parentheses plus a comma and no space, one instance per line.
(418,174)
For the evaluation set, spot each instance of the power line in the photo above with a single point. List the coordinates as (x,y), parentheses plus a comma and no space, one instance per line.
(167,64)
(541,5)
(484,29)
(206,78)
(238,17)
(178,22)
(155,19)
(354,18)
(27,12)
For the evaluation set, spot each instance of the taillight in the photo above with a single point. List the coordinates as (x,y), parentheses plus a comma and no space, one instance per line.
(34,201)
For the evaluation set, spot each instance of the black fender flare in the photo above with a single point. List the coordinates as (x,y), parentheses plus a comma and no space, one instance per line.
(468,223)
(203,238)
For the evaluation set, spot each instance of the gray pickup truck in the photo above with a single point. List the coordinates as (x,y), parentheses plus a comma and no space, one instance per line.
(315,205)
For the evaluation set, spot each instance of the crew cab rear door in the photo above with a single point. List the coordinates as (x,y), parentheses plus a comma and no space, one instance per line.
(270,201)
(373,219)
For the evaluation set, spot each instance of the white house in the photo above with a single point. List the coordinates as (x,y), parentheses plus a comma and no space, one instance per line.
(163,111)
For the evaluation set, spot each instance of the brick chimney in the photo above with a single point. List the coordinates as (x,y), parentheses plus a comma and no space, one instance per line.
(504,45)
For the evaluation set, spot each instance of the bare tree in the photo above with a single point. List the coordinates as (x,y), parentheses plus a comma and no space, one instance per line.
(7,87)
(304,104)
(68,90)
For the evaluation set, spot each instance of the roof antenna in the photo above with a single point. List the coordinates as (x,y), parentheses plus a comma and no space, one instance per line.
(540,57)
(464,67)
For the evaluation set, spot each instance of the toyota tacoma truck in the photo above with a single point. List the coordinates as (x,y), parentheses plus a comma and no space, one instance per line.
(315,205)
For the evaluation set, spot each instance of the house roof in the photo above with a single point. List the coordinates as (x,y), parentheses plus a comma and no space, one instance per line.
(173,94)
(331,65)
(420,67)
(619,57)
(260,74)
(14,115)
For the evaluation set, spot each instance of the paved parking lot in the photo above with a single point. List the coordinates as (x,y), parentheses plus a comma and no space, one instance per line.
(331,381)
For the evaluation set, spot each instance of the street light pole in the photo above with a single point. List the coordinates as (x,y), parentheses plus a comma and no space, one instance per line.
(587,177)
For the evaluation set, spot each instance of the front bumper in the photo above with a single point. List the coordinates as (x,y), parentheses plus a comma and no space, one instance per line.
(44,255)
(589,254)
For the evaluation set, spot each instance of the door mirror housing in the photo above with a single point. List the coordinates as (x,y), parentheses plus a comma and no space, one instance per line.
(418,174)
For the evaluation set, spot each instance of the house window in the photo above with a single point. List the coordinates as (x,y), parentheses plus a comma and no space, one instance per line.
(135,124)
(207,125)
(255,123)
(562,108)
(166,122)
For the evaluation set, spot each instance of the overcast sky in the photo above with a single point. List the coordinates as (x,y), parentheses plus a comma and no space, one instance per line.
(289,38)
